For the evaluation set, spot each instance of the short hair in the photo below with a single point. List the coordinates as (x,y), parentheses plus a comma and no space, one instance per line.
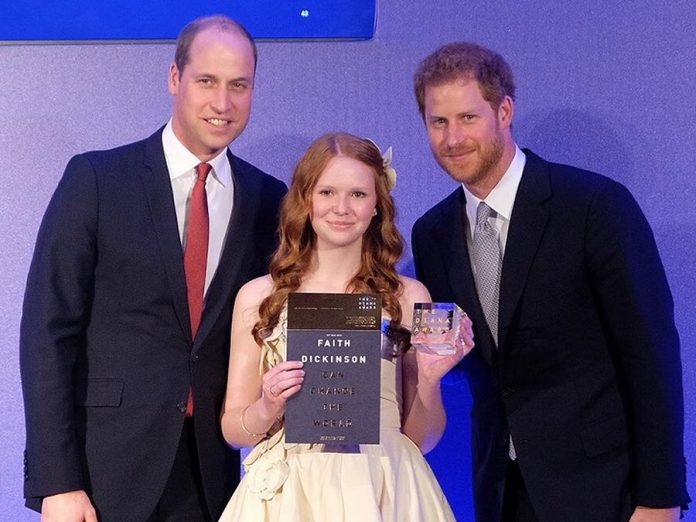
(465,60)
(189,32)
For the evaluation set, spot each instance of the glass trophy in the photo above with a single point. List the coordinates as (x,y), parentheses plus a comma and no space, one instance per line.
(435,327)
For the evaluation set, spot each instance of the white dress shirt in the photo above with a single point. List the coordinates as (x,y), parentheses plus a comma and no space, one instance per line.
(219,188)
(501,199)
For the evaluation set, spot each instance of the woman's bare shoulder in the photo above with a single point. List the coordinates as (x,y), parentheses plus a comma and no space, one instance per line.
(414,290)
(255,291)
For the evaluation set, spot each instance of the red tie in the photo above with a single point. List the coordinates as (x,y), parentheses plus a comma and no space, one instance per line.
(196,255)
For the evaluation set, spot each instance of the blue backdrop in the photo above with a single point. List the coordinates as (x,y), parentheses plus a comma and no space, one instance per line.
(605,86)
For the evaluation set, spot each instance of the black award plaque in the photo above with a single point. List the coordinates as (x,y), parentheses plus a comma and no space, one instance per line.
(338,338)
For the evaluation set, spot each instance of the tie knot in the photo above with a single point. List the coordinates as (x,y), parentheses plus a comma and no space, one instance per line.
(483,212)
(202,170)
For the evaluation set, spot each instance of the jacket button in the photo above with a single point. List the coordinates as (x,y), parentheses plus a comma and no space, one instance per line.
(507,392)
(181,406)
(502,441)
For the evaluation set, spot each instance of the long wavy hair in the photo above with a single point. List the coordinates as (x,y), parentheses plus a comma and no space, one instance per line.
(382,243)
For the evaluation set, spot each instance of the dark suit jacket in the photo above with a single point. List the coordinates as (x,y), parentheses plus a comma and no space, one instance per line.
(587,376)
(106,352)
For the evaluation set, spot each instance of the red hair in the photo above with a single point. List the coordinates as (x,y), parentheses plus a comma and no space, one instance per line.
(382,243)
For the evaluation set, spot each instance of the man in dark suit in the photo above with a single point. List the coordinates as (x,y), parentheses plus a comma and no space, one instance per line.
(576,374)
(125,329)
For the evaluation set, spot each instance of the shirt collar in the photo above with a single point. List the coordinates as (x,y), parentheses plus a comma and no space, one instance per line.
(181,161)
(502,197)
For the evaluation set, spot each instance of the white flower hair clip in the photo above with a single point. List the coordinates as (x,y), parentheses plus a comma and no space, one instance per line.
(389,171)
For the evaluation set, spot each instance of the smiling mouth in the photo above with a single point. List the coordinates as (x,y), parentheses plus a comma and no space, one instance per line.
(217,122)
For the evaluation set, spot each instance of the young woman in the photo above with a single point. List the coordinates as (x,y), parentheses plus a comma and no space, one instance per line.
(337,235)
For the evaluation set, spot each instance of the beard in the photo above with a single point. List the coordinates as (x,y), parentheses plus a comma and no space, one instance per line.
(472,170)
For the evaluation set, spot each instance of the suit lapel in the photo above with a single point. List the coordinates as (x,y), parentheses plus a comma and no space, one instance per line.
(456,253)
(238,239)
(459,272)
(527,225)
(158,189)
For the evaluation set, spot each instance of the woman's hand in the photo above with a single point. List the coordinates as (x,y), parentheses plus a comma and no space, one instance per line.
(279,384)
(432,368)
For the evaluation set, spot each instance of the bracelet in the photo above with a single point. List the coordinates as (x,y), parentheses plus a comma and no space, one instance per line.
(246,430)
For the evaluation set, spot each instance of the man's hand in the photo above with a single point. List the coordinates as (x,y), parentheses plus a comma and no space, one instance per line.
(646,514)
(73,506)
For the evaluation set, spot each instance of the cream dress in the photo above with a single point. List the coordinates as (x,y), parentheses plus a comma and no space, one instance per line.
(388,482)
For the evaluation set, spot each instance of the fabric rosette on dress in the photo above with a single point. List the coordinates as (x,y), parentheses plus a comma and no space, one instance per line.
(266,467)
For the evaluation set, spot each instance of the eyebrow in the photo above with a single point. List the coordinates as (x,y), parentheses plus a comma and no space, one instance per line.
(355,187)
(217,77)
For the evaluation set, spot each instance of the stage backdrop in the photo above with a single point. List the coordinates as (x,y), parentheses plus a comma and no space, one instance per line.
(605,86)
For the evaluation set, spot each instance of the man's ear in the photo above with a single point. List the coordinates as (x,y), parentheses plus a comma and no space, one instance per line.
(173,79)
(506,111)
